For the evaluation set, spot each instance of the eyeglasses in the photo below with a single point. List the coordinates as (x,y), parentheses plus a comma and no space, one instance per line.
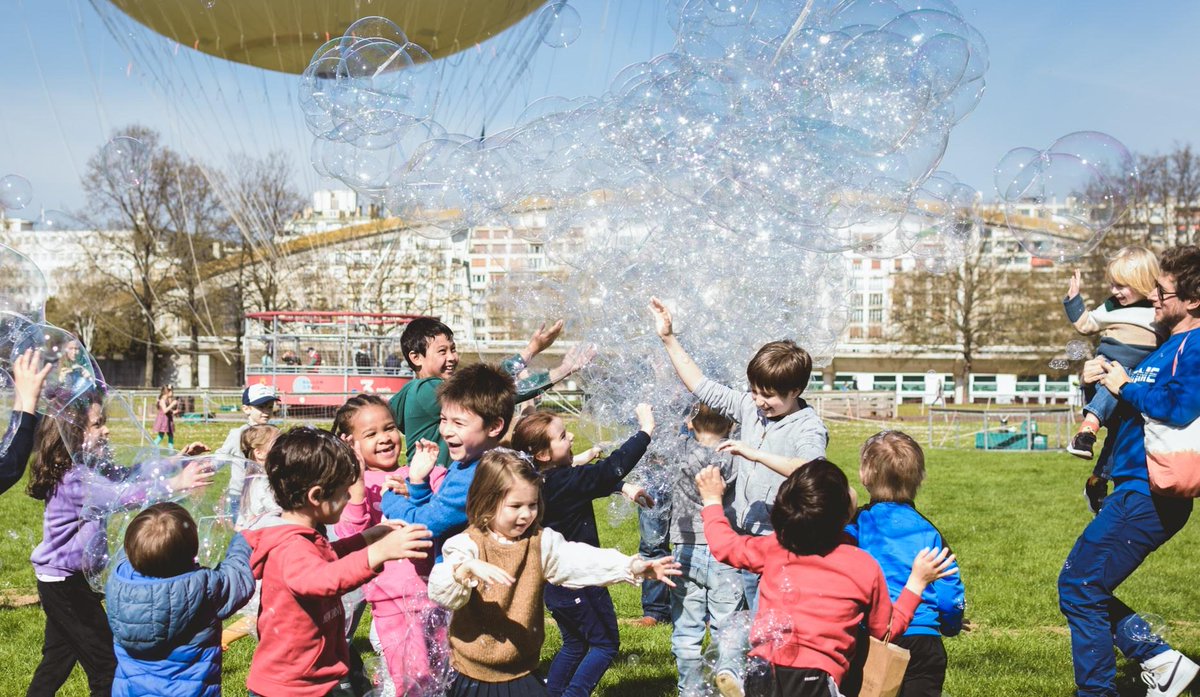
(1163,295)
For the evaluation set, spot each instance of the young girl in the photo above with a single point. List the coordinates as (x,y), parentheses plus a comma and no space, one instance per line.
(1128,334)
(805,631)
(492,576)
(76,625)
(585,616)
(258,510)
(398,596)
(164,422)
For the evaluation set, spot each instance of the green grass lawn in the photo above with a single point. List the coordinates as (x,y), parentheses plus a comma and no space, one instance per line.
(1011,518)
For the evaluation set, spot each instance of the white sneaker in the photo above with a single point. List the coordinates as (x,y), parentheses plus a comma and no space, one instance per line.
(1168,674)
(729,685)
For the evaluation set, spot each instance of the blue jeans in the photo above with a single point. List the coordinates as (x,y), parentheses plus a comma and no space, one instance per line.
(1129,527)
(653,527)
(588,624)
(750,588)
(707,591)
(1101,404)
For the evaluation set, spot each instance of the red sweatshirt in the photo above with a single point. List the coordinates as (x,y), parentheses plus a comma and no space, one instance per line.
(302,648)
(810,606)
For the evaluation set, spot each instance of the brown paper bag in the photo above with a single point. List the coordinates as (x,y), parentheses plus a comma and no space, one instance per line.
(884,670)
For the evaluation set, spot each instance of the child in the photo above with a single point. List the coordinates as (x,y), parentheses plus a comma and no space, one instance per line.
(165,610)
(709,592)
(476,406)
(1128,334)
(493,575)
(585,616)
(76,627)
(889,528)
(785,430)
(164,422)
(399,595)
(259,510)
(803,629)
(302,649)
(258,404)
(28,377)
(429,348)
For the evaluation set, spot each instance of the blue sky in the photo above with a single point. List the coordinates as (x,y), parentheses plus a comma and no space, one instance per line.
(1126,69)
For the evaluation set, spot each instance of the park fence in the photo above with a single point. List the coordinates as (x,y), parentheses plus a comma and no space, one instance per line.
(1000,428)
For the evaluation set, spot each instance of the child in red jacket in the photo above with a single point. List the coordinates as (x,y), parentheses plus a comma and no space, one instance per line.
(302,649)
(815,590)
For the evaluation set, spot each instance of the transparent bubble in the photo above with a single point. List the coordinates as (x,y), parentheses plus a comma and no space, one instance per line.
(59,220)
(1059,364)
(559,24)
(15,192)
(620,510)
(126,160)
(1146,628)
(1078,350)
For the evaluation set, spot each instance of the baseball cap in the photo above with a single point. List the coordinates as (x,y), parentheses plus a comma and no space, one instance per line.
(259,395)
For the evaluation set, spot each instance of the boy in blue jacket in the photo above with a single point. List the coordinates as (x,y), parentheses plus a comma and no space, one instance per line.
(166,611)
(890,529)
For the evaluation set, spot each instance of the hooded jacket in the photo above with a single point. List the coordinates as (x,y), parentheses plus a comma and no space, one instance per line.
(302,650)
(167,631)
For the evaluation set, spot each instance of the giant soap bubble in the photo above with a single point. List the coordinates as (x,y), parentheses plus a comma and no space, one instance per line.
(1061,201)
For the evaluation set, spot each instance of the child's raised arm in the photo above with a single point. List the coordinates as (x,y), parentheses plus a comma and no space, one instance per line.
(28,377)
(685,367)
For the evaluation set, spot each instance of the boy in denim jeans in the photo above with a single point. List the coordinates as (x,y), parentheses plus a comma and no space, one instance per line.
(707,589)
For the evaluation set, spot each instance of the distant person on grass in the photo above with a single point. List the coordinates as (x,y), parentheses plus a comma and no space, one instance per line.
(258,404)
(1134,521)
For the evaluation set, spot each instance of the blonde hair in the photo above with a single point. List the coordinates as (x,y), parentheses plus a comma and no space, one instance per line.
(891,466)
(256,437)
(1136,267)
(495,475)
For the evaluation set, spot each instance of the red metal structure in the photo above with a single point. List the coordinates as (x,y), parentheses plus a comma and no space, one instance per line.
(351,353)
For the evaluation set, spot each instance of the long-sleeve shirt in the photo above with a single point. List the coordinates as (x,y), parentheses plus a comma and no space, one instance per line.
(443,512)
(894,533)
(1166,387)
(302,649)
(568,492)
(12,461)
(800,435)
(687,527)
(232,448)
(819,601)
(400,578)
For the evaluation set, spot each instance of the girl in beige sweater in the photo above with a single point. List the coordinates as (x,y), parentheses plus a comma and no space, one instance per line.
(493,574)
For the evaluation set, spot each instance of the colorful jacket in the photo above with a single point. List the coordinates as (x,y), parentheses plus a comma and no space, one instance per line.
(894,533)
(568,492)
(167,631)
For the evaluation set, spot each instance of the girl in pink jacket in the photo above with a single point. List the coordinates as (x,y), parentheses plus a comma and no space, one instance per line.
(399,599)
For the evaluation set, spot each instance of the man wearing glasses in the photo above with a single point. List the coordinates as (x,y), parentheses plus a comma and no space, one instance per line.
(1134,521)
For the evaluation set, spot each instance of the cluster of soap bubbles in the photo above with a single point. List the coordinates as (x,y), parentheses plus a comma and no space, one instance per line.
(424,651)
(725,176)
(1146,628)
(1078,350)
(1059,364)
(1059,202)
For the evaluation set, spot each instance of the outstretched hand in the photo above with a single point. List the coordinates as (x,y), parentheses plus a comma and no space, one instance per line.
(645,418)
(662,318)
(194,475)
(425,455)
(1073,287)
(656,569)
(542,339)
(475,571)
(711,485)
(577,358)
(29,374)
(637,494)
(929,566)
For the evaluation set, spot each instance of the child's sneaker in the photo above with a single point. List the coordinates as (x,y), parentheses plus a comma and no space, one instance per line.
(1168,673)
(728,684)
(1081,445)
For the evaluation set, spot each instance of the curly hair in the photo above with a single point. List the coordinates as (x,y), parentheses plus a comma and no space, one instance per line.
(811,508)
(307,457)
(1184,264)
(344,417)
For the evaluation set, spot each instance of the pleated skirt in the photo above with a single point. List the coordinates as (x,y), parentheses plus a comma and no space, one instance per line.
(527,686)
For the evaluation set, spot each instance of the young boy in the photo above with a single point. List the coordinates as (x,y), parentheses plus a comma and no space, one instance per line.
(784,430)
(165,611)
(707,589)
(302,649)
(429,348)
(258,404)
(476,406)
(892,467)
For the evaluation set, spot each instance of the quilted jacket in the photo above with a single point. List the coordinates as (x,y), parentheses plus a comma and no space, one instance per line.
(167,631)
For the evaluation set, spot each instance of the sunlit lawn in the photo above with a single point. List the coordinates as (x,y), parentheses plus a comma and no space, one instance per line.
(1011,518)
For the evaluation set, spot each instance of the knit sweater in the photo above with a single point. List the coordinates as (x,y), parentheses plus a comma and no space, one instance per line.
(1132,325)
(800,434)
(810,606)
(496,632)
(444,512)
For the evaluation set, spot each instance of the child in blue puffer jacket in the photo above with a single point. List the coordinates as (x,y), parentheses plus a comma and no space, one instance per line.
(889,528)
(166,611)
